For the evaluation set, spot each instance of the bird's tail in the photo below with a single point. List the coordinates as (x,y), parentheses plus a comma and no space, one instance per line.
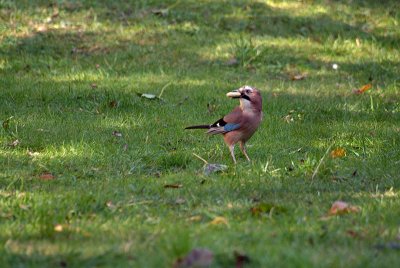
(198,127)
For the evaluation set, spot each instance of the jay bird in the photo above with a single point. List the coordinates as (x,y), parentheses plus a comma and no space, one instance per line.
(240,124)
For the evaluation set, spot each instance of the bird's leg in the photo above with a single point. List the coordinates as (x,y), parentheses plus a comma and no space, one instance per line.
(232,150)
(243,149)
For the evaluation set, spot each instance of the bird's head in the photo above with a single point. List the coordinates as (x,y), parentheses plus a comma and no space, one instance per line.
(250,97)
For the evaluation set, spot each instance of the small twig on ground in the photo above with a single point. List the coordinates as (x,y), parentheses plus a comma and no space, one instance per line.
(201,158)
(163,88)
(320,162)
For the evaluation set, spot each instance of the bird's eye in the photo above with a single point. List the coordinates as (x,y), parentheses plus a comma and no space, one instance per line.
(248,91)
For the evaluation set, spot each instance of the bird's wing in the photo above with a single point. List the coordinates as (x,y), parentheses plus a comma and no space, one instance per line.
(235,116)
(228,123)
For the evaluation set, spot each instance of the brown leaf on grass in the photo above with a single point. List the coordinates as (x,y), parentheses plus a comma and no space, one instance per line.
(47,176)
(173,186)
(362,89)
(93,85)
(341,207)
(338,153)
(240,259)
(219,220)
(198,257)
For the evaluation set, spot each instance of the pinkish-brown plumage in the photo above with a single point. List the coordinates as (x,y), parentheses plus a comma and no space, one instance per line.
(239,125)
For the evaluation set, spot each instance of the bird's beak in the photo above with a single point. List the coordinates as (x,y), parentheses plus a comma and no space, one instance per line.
(234,94)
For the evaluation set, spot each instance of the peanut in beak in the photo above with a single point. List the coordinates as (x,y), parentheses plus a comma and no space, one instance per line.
(233,94)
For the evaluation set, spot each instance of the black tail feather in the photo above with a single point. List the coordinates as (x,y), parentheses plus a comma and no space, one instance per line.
(198,127)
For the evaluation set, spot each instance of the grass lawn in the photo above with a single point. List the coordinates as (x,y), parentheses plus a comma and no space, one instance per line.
(93,175)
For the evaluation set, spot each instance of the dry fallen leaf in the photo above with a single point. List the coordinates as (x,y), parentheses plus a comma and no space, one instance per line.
(341,207)
(174,186)
(219,220)
(362,89)
(47,176)
(198,257)
(338,152)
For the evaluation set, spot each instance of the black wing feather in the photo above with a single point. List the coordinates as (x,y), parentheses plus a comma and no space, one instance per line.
(219,123)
